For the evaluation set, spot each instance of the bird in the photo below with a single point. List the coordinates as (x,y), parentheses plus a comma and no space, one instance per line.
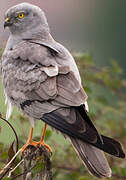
(41,78)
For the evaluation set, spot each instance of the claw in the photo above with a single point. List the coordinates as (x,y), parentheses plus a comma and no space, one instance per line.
(35,144)
(46,146)
(32,143)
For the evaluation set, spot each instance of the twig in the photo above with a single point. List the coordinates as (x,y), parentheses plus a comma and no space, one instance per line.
(17,147)
(4,174)
(7,166)
(29,170)
(73,169)
(15,167)
(17,142)
(119,177)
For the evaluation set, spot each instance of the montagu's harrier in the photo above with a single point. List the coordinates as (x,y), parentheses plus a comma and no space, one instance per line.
(41,78)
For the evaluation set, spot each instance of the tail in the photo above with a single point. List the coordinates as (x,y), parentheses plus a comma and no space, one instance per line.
(88,143)
(93,158)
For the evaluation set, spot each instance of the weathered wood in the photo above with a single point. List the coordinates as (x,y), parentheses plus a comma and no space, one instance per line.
(37,164)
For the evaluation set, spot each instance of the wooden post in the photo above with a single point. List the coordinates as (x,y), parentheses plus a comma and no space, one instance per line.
(37,164)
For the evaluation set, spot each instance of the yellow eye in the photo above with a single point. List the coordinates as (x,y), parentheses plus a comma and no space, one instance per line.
(20,15)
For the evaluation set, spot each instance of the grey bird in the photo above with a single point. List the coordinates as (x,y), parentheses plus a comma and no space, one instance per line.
(41,78)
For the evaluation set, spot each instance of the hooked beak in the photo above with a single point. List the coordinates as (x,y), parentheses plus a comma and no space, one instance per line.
(7,22)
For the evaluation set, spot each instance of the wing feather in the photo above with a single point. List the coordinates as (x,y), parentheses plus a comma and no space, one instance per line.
(82,129)
(48,77)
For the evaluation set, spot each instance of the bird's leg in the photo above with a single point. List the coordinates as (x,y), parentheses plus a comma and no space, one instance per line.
(29,141)
(43,133)
(30,136)
(34,143)
(42,143)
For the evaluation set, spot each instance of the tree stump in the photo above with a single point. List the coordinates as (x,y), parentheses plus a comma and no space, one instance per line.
(37,164)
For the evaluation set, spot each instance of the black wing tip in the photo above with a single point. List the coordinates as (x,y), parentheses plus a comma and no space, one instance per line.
(115,147)
(109,145)
(119,150)
(122,155)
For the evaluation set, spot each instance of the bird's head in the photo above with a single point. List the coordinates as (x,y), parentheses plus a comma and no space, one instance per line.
(24,17)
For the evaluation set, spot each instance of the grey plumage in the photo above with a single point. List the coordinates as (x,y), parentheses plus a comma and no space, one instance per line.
(41,78)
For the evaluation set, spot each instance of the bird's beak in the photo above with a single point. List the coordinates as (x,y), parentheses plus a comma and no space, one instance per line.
(7,22)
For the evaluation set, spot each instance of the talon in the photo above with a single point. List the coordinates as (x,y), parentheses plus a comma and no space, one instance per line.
(34,143)
(41,142)
(46,146)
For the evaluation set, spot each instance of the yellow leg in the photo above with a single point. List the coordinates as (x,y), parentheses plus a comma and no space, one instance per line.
(34,143)
(42,143)
(29,141)
(30,135)
(43,133)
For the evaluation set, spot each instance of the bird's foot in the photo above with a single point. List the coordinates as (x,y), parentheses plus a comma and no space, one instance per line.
(35,144)
(45,145)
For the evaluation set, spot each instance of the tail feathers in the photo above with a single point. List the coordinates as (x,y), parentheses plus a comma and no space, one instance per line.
(93,158)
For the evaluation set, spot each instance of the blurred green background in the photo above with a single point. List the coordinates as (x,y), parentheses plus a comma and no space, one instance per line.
(94,31)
